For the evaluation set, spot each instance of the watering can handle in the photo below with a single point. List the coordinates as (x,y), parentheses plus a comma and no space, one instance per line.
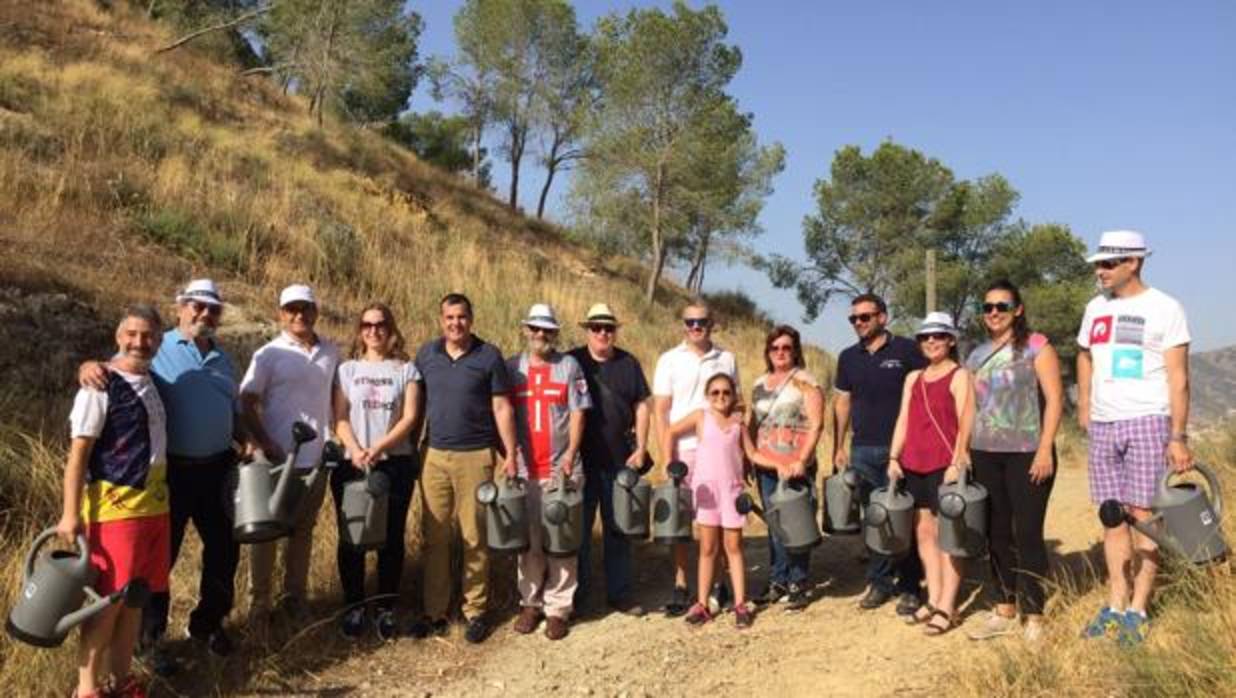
(83,555)
(1212,482)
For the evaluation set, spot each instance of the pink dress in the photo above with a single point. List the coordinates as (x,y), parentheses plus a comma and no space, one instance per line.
(716,479)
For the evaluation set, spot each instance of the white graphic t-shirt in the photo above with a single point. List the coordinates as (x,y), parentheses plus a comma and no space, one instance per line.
(1126,338)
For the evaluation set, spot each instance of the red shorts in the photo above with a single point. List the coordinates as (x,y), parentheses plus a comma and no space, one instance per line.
(130,548)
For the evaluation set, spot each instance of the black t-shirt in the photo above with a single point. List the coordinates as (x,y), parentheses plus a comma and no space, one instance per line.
(617,387)
(874,382)
(459,394)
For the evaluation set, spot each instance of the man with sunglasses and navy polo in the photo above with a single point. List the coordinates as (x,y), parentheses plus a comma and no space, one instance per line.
(1133,399)
(870,376)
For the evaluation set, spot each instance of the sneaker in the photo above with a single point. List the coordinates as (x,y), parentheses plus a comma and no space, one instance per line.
(908,603)
(352,623)
(556,628)
(1106,624)
(477,630)
(698,615)
(796,599)
(719,598)
(628,607)
(128,687)
(1134,625)
(680,601)
(775,592)
(422,628)
(743,617)
(158,660)
(529,617)
(291,610)
(993,625)
(1033,632)
(385,626)
(217,642)
(875,598)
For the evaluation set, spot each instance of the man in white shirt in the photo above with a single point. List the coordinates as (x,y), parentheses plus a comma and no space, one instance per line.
(1133,399)
(289,380)
(678,390)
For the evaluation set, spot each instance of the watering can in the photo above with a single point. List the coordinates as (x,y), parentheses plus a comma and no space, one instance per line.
(790,516)
(265,499)
(53,589)
(632,502)
(841,513)
(889,521)
(362,511)
(671,507)
(562,518)
(962,530)
(1184,521)
(506,514)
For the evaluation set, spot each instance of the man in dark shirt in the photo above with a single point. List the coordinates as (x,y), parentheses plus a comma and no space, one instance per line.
(468,411)
(870,377)
(615,434)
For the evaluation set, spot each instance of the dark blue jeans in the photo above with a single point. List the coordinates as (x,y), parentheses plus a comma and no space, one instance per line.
(784,567)
(615,548)
(892,575)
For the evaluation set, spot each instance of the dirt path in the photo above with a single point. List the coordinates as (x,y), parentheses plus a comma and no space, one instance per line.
(832,648)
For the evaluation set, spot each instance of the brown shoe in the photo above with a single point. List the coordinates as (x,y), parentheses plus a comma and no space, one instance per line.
(529,618)
(556,628)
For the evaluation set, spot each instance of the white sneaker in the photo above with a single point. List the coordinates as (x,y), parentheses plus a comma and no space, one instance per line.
(1033,633)
(993,625)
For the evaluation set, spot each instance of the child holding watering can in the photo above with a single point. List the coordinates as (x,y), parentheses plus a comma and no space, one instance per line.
(716,482)
(930,447)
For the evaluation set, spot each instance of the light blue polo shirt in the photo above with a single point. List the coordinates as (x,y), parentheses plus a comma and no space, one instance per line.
(199,395)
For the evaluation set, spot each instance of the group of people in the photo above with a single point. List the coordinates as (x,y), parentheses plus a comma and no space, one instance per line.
(157,428)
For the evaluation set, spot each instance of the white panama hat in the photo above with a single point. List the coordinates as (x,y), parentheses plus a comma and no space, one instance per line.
(1119,244)
(937,321)
(542,315)
(202,291)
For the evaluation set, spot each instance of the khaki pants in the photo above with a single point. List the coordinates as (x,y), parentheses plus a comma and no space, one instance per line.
(448,487)
(296,551)
(545,581)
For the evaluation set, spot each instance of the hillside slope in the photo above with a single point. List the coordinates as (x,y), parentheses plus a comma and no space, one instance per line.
(1213,386)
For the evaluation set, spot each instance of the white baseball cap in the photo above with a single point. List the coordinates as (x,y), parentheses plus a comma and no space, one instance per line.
(1119,244)
(541,315)
(202,291)
(296,293)
(937,322)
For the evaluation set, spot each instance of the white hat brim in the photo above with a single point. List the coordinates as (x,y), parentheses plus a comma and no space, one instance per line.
(542,324)
(1104,256)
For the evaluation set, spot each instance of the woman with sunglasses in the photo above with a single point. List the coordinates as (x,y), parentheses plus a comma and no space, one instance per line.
(1018,403)
(376,408)
(785,422)
(931,447)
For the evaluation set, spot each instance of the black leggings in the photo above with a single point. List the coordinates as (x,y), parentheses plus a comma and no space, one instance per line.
(403,471)
(1016,512)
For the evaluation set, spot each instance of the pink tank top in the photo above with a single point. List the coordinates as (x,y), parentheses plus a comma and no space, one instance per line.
(718,458)
(926,451)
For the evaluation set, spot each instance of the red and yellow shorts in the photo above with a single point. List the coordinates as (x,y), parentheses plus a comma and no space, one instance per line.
(126,549)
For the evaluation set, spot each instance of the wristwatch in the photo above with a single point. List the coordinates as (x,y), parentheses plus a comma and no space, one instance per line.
(1182,437)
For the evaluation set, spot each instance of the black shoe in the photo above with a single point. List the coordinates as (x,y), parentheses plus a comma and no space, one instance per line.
(680,601)
(875,598)
(908,603)
(477,630)
(775,592)
(627,607)
(385,625)
(720,599)
(796,598)
(422,628)
(160,662)
(217,642)
(352,624)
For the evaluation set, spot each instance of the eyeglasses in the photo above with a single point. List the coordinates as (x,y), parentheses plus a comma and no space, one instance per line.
(780,348)
(299,308)
(601,329)
(1001,307)
(209,309)
(541,330)
(375,326)
(861,317)
(937,336)
(720,392)
(696,323)
(1110,263)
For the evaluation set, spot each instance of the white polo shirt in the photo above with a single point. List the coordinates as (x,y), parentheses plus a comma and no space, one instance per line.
(295,385)
(682,374)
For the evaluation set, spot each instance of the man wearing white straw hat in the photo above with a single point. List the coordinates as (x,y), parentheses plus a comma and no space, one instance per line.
(550,396)
(1133,398)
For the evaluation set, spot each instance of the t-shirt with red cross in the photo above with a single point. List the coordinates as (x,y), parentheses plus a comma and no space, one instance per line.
(545,395)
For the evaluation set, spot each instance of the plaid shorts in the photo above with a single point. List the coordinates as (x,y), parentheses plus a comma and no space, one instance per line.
(1127,458)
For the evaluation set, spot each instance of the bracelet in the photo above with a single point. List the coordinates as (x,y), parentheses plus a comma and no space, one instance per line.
(1182,437)
(894,459)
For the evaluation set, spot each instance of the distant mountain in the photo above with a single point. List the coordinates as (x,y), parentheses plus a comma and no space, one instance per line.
(1213,384)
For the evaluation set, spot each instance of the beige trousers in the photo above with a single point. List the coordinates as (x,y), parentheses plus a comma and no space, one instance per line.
(297,549)
(448,488)
(545,581)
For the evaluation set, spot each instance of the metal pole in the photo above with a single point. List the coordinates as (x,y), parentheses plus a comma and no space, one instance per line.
(931,280)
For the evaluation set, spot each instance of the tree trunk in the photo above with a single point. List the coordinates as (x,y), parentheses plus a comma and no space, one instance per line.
(658,244)
(519,136)
(477,133)
(695,278)
(551,168)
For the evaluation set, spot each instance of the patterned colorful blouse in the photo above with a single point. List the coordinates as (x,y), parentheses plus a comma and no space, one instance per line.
(1008,404)
(781,414)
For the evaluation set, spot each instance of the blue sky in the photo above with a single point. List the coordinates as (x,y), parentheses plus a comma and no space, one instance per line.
(1102,115)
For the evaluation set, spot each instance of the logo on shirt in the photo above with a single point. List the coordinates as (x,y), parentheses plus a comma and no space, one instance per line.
(1127,363)
(1101,330)
(894,364)
(1130,329)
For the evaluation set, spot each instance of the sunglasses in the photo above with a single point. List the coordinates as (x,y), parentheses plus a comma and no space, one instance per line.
(375,326)
(696,323)
(720,392)
(299,308)
(601,329)
(199,308)
(541,330)
(1001,307)
(861,317)
(937,336)
(780,348)
(1110,263)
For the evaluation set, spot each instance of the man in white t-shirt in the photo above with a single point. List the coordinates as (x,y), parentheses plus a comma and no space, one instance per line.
(289,380)
(678,390)
(1133,399)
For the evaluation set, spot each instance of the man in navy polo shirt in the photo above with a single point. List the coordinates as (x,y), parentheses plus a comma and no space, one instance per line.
(870,376)
(468,412)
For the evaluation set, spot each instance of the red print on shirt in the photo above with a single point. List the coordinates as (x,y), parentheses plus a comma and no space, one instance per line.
(1101,330)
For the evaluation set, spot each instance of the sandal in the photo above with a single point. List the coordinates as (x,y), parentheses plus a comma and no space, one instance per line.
(933,630)
(915,618)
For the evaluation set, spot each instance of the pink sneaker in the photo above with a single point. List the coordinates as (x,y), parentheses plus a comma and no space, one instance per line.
(698,615)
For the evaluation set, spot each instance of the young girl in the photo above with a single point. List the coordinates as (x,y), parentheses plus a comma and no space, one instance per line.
(716,482)
(931,446)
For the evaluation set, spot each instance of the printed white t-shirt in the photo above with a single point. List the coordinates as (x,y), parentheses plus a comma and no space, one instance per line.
(295,385)
(1126,338)
(681,375)
(375,392)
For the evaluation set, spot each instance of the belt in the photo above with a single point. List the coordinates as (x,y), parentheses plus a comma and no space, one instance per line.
(222,457)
